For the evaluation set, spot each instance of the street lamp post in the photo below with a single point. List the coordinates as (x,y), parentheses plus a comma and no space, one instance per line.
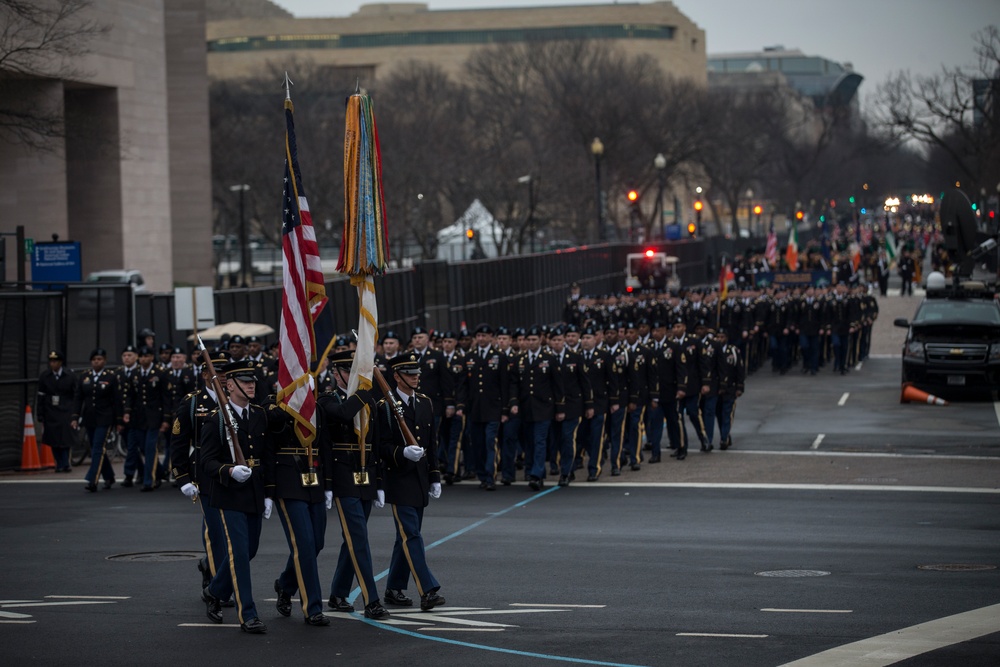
(597,148)
(660,163)
(750,228)
(244,246)
(698,191)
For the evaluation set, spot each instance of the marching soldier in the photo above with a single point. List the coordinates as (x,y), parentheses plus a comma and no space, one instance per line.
(58,409)
(731,374)
(390,350)
(97,392)
(603,380)
(489,400)
(670,368)
(435,380)
(181,379)
(356,483)
(540,401)
(411,476)
(578,402)
(123,398)
(236,492)
(637,385)
(811,315)
(185,458)
(450,433)
(298,482)
(689,403)
(148,414)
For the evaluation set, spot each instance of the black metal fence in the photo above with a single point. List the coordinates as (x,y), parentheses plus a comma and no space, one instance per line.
(515,291)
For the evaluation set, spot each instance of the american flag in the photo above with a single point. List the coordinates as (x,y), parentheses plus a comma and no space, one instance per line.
(304,294)
(771,251)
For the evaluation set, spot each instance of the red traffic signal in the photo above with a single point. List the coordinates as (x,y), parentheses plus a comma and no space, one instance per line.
(633,195)
(650,252)
(799,215)
(470,234)
(757,210)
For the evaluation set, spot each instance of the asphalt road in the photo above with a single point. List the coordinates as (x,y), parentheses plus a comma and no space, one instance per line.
(664,566)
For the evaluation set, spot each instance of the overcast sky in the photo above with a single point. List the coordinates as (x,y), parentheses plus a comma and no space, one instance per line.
(878,36)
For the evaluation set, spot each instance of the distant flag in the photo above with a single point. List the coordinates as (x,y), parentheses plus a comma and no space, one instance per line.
(890,245)
(855,251)
(725,275)
(771,250)
(303,298)
(866,236)
(792,252)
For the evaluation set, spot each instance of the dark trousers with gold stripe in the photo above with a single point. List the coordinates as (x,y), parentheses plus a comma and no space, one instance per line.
(628,447)
(355,559)
(408,552)
(591,437)
(305,528)
(690,405)
(213,537)
(242,535)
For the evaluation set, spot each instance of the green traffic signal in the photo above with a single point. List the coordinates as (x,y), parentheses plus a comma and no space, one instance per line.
(852,200)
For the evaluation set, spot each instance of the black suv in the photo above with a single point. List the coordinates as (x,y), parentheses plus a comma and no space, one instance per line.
(953,341)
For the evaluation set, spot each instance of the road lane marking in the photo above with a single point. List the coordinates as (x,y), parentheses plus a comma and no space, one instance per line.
(860,455)
(208,625)
(574,606)
(843,399)
(719,634)
(449,612)
(87,597)
(810,611)
(789,487)
(819,439)
(900,645)
(56,604)
(996,409)
(12,622)
(13,615)
(430,628)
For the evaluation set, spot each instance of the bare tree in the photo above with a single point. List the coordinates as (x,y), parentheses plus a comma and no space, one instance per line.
(40,41)
(945,112)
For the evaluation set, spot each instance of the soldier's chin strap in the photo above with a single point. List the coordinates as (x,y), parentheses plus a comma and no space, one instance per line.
(412,387)
(240,387)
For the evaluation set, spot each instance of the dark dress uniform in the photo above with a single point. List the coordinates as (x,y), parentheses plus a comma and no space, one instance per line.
(450,433)
(578,397)
(691,403)
(240,505)
(638,383)
(540,398)
(352,499)
(810,323)
(731,373)
(488,398)
(302,509)
(148,411)
(670,367)
(180,383)
(407,485)
(58,406)
(97,392)
(191,415)
(598,366)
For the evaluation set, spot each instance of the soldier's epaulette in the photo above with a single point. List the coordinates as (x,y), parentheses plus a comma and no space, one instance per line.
(417,393)
(191,394)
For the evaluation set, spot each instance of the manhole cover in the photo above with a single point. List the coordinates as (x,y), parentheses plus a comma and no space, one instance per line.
(158,556)
(957,567)
(792,573)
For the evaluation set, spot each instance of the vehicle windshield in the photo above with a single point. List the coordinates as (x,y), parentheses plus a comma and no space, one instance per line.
(947,310)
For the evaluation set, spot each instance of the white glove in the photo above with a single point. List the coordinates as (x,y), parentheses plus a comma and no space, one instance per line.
(190,490)
(413,453)
(329,498)
(241,473)
(435,491)
(380,501)
(268,506)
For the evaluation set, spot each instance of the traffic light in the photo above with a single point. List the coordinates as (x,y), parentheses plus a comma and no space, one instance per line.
(698,206)
(633,196)
(650,253)
(757,210)
(799,215)
(470,234)
(692,229)
(852,199)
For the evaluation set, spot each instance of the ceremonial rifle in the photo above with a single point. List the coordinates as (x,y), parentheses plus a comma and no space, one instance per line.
(234,441)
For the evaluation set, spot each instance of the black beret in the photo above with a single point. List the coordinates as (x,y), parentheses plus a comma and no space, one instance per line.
(164,347)
(99,352)
(237,340)
(589,331)
(390,334)
(449,334)
(502,331)
(572,328)
(417,330)
(129,348)
(145,350)
(534,330)
(484,329)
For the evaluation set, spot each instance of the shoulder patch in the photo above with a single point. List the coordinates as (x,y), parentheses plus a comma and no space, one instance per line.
(177,427)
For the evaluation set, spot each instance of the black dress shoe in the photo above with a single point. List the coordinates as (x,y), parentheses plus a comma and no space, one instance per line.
(469,475)
(397,597)
(534,484)
(592,478)
(90,487)
(482,485)
(615,472)
(254,626)
(127,483)
(376,611)
(145,489)
(108,485)
(636,466)
(506,481)
(655,459)
(564,481)
(340,604)
(317,620)
(206,574)
(490,486)
(430,600)
(681,455)
(449,479)
(284,603)
(213,607)
(230,603)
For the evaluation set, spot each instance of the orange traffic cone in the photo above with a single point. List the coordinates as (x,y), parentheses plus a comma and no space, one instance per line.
(29,450)
(911,393)
(48,461)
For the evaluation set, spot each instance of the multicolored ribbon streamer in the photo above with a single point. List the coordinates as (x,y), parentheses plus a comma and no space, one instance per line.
(364,247)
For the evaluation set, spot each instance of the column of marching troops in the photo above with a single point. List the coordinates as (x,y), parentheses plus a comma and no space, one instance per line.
(588,392)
